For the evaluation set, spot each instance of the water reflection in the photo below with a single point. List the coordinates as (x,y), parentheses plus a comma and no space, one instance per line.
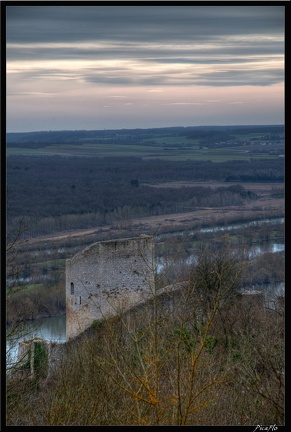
(253,251)
(243,225)
(232,227)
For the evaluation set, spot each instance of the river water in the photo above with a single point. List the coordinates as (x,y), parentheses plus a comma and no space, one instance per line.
(253,251)
(226,227)
(244,225)
(54,328)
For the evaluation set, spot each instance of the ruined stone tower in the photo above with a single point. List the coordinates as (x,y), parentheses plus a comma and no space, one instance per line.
(105,278)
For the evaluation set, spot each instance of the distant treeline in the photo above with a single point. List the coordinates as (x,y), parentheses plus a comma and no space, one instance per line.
(80,192)
(206,134)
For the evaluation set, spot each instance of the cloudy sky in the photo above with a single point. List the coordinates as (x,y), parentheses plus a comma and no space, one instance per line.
(114,67)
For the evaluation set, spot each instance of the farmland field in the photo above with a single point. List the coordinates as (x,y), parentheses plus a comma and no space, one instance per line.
(177,144)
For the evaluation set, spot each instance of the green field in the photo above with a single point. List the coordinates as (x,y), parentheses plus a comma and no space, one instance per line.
(216,145)
(148,152)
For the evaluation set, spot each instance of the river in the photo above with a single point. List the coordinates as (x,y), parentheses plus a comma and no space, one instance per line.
(54,328)
(226,227)
(253,251)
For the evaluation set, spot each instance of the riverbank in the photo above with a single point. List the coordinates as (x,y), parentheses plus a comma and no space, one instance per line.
(264,207)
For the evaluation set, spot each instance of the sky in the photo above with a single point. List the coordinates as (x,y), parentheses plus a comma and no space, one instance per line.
(128,67)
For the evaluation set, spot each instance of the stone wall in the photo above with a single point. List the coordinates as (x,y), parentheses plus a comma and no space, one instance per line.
(37,358)
(107,277)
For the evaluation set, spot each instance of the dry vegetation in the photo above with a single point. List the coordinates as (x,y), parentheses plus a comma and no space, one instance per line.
(204,356)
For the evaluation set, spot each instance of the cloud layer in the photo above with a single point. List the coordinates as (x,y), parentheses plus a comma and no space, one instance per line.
(73,50)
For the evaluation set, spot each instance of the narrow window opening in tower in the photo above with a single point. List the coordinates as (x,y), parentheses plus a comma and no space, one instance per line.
(72,288)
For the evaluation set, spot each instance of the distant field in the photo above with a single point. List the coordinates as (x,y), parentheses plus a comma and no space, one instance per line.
(87,149)
(264,189)
(144,151)
(217,144)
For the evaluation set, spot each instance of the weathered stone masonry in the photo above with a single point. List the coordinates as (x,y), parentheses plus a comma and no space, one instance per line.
(37,358)
(106,277)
